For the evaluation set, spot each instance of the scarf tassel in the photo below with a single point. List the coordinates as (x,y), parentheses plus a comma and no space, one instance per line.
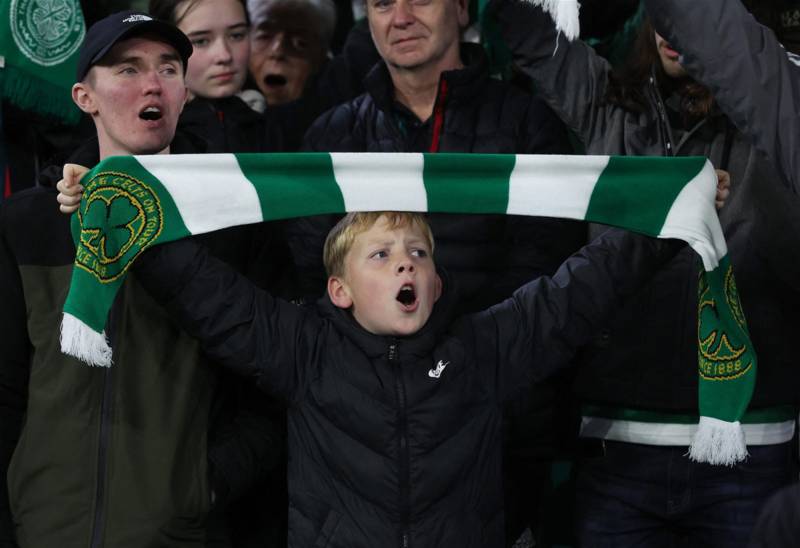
(565,15)
(82,342)
(718,442)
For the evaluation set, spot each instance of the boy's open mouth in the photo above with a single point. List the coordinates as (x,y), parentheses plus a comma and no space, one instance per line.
(275,80)
(151,114)
(407,296)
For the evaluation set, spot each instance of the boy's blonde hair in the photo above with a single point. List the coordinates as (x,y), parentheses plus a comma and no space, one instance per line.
(341,237)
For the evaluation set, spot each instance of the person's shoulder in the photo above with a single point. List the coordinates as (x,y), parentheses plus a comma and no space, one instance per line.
(34,228)
(348,113)
(38,199)
(337,124)
(188,141)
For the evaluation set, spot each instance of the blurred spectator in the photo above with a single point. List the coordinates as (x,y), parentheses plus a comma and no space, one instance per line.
(636,486)
(782,16)
(290,42)
(291,64)
(758,83)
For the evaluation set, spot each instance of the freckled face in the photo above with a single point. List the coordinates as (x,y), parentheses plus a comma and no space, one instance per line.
(134,95)
(390,279)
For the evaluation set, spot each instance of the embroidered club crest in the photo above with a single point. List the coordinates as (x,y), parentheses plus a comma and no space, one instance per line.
(47,32)
(121,219)
(721,356)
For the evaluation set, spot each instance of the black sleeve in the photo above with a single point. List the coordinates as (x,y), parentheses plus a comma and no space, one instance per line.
(536,332)
(267,340)
(14,373)
(569,76)
(246,439)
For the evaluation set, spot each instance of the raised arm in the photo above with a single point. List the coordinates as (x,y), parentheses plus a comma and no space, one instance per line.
(570,76)
(240,326)
(754,80)
(536,332)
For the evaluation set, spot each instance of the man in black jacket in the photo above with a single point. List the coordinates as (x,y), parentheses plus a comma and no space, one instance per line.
(127,456)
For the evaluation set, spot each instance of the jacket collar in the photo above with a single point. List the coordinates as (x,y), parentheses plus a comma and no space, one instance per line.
(464,82)
(419,344)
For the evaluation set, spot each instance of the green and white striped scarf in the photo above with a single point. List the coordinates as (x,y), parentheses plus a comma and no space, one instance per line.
(133,202)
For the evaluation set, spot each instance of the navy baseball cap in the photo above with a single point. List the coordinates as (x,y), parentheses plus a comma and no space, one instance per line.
(102,36)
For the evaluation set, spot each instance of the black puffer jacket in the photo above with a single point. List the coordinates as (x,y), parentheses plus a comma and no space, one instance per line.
(487,256)
(229,125)
(382,451)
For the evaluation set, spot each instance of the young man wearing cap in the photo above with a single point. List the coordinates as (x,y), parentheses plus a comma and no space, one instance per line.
(123,457)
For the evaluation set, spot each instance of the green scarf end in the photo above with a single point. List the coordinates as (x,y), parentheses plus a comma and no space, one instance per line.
(83,342)
(35,95)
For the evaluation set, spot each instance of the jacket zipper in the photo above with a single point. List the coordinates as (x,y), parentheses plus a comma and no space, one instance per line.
(400,389)
(662,116)
(98,526)
(438,116)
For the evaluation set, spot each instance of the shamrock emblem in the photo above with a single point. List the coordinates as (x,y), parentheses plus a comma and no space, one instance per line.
(715,344)
(109,226)
(51,18)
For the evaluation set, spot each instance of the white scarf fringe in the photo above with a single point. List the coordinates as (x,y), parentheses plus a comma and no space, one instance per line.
(82,342)
(565,15)
(718,442)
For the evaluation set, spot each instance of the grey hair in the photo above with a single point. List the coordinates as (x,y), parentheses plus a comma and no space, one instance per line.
(324,9)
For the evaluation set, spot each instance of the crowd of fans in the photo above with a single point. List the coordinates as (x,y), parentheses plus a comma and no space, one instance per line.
(170,448)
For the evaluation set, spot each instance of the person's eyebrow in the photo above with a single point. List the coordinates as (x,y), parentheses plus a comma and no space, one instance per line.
(130,59)
(170,57)
(379,242)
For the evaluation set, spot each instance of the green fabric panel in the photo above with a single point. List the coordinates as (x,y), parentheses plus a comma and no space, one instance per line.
(39,44)
(291,187)
(616,197)
(463,183)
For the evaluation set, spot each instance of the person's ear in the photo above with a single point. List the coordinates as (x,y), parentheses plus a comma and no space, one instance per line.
(437,288)
(83,97)
(462,12)
(339,293)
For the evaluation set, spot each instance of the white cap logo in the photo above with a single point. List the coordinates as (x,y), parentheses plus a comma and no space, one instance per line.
(137,17)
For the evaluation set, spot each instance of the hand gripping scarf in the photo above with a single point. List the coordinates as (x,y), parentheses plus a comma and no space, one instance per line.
(133,202)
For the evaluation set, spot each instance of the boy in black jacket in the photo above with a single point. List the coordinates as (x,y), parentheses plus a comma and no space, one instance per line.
(395,407)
